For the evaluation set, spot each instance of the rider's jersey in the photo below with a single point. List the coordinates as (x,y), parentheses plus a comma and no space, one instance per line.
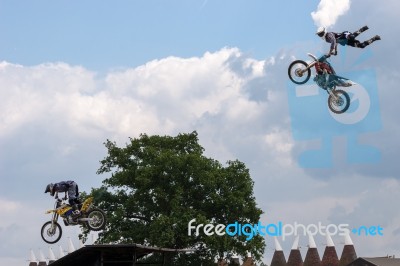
(333,38)
(69,187)
(62,186)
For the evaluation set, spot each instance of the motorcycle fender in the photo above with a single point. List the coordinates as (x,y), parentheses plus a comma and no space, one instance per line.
(86,204)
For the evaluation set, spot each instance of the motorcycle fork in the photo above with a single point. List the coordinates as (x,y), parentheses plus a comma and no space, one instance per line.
(308,67)
(332,93)
(54,220)
(300,72)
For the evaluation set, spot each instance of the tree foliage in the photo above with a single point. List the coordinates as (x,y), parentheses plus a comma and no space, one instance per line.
(159,183)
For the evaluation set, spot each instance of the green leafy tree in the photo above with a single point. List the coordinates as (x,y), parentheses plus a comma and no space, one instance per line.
(160,183)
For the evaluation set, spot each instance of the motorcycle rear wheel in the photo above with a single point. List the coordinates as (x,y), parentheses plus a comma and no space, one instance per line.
(99,219)
(340,103)
(295,72)
(48,232)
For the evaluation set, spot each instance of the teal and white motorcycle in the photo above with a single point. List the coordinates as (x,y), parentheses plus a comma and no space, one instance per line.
(300,72)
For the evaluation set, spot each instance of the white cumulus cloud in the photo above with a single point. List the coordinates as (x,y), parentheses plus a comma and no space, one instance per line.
(329,11)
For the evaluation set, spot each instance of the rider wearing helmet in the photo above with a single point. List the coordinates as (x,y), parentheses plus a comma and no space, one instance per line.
(66,186)
(344,38)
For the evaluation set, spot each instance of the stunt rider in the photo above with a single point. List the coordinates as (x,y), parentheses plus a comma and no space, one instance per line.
(73,192)
(344,38)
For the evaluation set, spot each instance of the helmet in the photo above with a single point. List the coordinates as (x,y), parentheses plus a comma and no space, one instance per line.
(321,32)
(50,188)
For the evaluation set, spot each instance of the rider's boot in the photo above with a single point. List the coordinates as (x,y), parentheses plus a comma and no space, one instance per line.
(376,38)
(356,33)
(368,42)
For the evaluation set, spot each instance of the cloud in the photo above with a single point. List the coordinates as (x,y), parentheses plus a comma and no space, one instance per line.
(329,11)
(163,96)
(9,206)
(56,115)
(63,112)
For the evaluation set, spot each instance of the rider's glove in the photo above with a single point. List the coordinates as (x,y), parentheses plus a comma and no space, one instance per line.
(331,52)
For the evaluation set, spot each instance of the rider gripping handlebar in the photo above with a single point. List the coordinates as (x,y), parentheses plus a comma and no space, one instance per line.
(70,187)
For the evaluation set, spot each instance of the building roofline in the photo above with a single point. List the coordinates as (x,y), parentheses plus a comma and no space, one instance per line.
(97,246)
(95,250)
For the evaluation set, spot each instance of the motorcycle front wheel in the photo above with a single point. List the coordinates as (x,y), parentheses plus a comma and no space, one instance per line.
(339,102)
(98,219)
(297,72)
(51,232)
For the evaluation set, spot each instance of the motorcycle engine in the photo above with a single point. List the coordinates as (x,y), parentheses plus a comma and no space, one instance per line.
(69,221)
(320,80)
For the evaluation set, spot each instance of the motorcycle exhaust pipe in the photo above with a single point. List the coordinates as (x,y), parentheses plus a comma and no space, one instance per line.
(85,219)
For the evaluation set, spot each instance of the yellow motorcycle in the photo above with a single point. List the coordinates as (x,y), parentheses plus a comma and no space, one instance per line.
(89,216)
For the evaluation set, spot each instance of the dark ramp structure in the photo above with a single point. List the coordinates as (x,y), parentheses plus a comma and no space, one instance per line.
(378,261)
(114,254)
